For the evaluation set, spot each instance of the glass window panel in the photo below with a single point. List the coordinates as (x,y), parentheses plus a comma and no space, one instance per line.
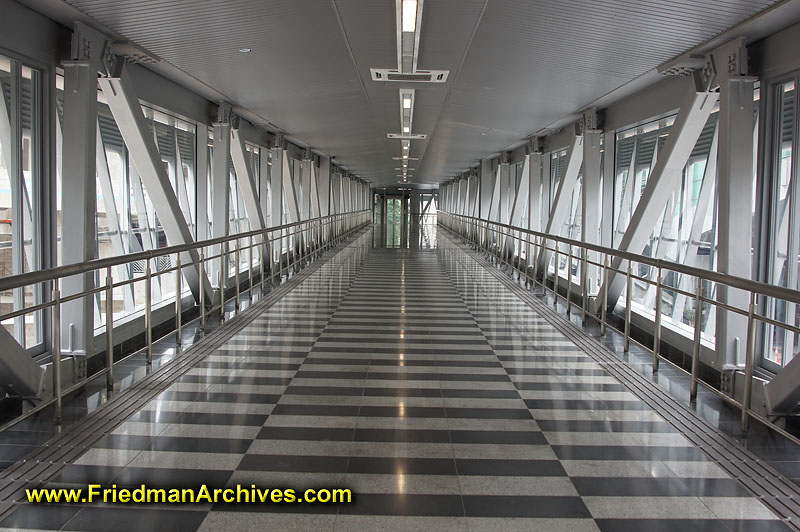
(20,194)
(782,344)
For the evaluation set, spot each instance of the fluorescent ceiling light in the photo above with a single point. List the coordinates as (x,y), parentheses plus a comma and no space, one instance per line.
(406,129)
(405,147)
(245,50)
(405,156)
(410,15)
(407,103)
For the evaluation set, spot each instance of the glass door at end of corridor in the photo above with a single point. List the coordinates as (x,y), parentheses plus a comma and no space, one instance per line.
(394,221)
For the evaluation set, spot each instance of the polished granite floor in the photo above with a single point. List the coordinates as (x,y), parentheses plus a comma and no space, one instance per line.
(388,371)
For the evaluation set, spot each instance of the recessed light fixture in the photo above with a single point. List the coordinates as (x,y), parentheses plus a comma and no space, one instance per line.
(405,147)
(407,102)
(410,15)
(245,50)
(406,129)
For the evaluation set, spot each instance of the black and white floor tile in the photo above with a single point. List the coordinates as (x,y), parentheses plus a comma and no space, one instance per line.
(414,378)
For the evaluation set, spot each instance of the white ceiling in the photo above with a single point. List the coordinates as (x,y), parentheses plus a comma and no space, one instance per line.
(516,66)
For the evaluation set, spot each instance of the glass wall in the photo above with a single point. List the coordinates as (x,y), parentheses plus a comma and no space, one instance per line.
(637,152)
(782,345)
(126,218)
(686,230)
(558,165)
(21,194)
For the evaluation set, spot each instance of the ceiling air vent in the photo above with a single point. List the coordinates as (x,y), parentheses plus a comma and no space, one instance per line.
(420,76)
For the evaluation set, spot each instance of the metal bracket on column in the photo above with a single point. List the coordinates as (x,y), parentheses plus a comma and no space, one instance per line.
(225,115)
(536,145)
(589,121)
(724,63)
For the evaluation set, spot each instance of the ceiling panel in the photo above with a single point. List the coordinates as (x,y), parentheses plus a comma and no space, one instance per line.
(516,66)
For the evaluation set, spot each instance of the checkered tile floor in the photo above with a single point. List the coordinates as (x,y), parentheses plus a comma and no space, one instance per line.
(414,378)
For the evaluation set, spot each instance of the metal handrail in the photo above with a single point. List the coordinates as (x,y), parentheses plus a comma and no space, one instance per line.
(490,236)
(733,281)
(317,233)
(68,270)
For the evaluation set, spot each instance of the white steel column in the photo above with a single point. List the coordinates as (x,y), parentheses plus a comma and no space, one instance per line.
(79,189)
(276,198)
(535,186)
(289,191)
(201,187)
(495,203)
(544,197)
(590,191)
(304,196)
(486,187)
(336,197)
(522,196)
(607,209)
(313,188)
(735,203)
(472,195)
(290,199)
(324,186)
(263,184)
(220,184)
(463,184)
(521,203)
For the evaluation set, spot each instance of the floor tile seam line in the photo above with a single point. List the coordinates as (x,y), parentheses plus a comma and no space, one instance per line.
(597,351)
(162,377)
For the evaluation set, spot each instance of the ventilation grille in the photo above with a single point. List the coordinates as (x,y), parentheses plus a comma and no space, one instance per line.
(420,76)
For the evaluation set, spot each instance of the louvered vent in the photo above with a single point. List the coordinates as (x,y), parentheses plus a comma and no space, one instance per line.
(420,76)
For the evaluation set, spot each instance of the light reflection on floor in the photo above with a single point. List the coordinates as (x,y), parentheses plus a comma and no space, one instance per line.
(408,235)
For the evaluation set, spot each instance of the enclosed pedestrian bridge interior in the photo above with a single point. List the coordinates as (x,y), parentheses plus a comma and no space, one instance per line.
(448,265)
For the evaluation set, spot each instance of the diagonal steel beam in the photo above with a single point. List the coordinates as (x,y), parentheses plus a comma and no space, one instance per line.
(121,96)
(247,184)
(563,198)
(665,177)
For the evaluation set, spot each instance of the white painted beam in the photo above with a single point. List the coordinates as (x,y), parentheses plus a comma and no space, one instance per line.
(734,207)
(247,184)
(665,177)
(127,112)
